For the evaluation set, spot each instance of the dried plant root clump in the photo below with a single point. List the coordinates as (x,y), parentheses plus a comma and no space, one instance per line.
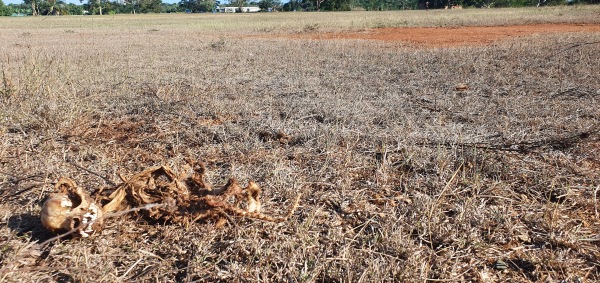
(158,194)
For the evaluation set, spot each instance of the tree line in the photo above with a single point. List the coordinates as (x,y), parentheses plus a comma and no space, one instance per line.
(103,7)
(386,5)
(87,7)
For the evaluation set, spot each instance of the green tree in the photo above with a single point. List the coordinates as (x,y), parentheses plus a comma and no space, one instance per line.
(272,4)
(293,5)
(73,9)
(169,8)
(34,6)
(52,7)
(99,7)
(128,7)
(197,6)
(18,9)
(4,11)
(239,4)
(46,7)
(336,5)
(149,6)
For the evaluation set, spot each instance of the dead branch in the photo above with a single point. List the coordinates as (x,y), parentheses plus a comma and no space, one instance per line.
(528,146)
(106,179)
(574,46)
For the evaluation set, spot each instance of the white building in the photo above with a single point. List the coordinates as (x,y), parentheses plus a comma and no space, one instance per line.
(235,9)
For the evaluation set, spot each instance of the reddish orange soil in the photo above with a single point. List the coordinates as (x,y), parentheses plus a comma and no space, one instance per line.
(454,36)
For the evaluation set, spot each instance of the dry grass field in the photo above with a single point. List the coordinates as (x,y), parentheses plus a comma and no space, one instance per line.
(416,162)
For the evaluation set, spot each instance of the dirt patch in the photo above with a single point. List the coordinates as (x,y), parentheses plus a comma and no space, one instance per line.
(453,36)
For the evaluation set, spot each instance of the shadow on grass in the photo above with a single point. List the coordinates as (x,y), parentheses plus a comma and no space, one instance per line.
(27,224)
(63,277)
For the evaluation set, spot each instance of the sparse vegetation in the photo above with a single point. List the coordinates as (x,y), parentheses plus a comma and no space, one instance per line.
(470,163)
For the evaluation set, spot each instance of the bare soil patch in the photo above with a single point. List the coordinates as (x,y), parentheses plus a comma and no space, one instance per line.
(454,36)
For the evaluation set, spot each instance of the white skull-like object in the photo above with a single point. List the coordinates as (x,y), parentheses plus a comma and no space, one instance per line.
(71,210)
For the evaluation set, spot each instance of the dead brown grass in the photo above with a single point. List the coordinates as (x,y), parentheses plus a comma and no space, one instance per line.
(404,178)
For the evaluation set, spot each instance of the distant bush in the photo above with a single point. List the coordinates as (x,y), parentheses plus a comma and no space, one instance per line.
(4,11)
